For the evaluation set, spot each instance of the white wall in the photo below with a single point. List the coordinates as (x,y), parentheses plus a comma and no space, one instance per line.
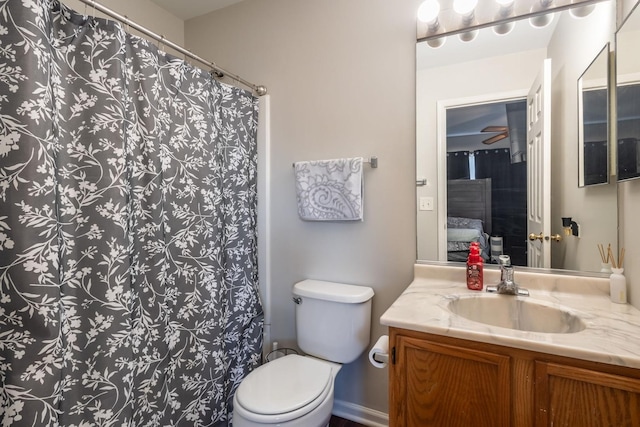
(629,193)
(574,45)
(144,12)
(341,77)
(629,205)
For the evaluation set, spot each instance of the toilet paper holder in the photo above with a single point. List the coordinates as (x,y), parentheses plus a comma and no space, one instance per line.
(379,353)
(381,357)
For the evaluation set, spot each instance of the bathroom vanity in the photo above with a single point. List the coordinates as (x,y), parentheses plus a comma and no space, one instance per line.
(564,356)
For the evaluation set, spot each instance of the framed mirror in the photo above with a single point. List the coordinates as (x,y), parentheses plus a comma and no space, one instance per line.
(628,97)
(593,121)
(503,68)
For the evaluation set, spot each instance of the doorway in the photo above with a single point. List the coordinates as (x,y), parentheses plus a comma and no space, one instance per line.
(486,148)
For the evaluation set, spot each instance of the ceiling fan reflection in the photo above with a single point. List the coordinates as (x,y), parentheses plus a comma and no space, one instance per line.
(502,133)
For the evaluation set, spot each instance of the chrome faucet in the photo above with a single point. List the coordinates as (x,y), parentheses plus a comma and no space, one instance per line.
(507,285)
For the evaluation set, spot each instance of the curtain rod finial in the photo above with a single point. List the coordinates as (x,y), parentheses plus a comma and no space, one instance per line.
(261,90)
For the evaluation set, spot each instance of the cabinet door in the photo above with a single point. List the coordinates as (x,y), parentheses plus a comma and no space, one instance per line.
(567,397)
(438,385)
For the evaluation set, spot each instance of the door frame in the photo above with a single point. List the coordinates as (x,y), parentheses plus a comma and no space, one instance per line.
(441,150)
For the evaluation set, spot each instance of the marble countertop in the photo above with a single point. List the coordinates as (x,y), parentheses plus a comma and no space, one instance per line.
(612,333)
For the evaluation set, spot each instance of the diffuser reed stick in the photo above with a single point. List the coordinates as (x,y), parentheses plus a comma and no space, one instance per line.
(612,257)
(604,256)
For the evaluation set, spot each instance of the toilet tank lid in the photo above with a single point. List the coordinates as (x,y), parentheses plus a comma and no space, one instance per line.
(331,291)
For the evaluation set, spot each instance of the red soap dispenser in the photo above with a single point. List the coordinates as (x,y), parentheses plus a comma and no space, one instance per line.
(474,268)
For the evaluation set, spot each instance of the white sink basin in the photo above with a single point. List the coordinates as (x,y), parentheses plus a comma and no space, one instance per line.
(518,313)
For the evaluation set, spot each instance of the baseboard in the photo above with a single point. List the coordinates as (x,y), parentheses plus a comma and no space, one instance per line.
(360,414)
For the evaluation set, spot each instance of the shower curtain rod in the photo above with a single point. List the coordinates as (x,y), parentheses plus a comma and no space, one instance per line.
(258,89)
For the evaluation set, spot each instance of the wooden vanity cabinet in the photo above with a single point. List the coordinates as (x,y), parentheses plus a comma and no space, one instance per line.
(568,396)
(441,385)
(447,382)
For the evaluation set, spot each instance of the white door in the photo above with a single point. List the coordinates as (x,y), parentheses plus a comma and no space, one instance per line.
(539,170)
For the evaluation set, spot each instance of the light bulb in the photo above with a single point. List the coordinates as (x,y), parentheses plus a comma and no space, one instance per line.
(506,8)
(582,11)
(504,12)
(504,28)
(468,36)
(428,11)
(541,21)
(464,7)
(436,43)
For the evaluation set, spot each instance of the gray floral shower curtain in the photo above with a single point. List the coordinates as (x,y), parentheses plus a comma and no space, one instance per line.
(128,276)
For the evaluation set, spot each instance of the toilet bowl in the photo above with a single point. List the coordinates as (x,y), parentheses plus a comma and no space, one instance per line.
(333,323)
(292,391)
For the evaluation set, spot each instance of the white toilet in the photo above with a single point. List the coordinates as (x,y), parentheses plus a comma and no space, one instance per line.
(333,323)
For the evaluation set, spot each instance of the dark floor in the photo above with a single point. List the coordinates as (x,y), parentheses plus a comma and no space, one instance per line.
(341,422)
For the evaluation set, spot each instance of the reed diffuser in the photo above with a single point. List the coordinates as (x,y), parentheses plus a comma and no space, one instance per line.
(617,280)
(605,266)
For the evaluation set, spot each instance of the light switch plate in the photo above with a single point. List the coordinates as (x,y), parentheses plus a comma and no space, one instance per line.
(426,203)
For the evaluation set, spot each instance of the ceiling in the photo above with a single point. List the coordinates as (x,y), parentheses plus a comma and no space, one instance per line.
(187,9)
(465,124)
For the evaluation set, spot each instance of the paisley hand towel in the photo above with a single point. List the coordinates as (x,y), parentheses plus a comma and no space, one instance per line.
(330,190)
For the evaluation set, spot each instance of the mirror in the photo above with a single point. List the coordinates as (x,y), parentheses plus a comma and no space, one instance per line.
(628,97)
(593,122)
(494,68)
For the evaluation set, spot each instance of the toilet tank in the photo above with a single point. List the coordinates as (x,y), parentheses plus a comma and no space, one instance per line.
(333,320)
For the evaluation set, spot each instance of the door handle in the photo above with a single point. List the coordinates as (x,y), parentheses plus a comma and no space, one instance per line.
(533,237)
(555,237)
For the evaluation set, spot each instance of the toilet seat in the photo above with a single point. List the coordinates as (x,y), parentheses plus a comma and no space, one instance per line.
(285,389)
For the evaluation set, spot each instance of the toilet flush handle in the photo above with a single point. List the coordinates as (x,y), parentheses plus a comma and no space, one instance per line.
(297,300)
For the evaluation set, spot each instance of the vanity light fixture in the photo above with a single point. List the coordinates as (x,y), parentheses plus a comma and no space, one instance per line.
(428,13)
(438,19)
(541,21)
(466,9)
(505,10)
